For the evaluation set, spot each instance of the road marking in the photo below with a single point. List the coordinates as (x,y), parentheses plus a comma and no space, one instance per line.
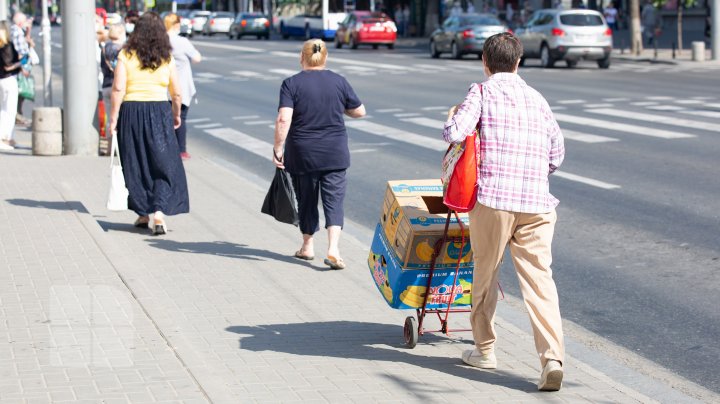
(208,125)
(363,150)
(667,120)
(350,62)
(621,127)
(246,73)
(430,123)
(703,98)
(431,67)
(659,98)
(713,105)
(665,108)
(585,180)
(398,135)
(362,69)
(571,101)
(231,47)
(284,72)
(586,137)
(387,110)
(689,102)
(406,114)
(444,109)
(615,99)
(246,117)
(599,105)
(197,120)
(557,107)
(242,140)
(208,75)
(707,114)
(258,122)
(644,103)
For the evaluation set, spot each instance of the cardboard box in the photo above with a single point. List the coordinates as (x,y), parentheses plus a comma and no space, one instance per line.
(405,288)
(413,220)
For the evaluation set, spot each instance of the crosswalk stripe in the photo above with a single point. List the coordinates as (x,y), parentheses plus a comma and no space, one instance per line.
(197,120)
(571,101)
(431,67)
(667,120)
(659,98)
(388,110)
(435,108)
(598,105)
(585,180)
(707,114)
(284,72)
(208,125)
(246,117)
(615,99)
(238,138)
(688,102)
(406,115)
(665,108)
(398,135)
(703,98)
(430,123)
(644,103)
(621,127)
(246,73)
(208,75)
(586,137)
(258,122)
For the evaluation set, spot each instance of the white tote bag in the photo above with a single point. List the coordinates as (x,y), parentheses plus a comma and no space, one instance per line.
(118,196)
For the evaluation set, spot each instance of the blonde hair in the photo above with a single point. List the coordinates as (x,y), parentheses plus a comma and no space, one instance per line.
(4,33)
(170,20)
(116,31)
(314,53)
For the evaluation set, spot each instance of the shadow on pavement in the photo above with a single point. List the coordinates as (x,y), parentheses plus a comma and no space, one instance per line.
(125,227)
(361,340)
(227,249)
(52,205)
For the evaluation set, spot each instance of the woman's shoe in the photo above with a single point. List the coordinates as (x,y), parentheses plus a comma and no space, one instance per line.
(158,226)
(334,263)
(142,221)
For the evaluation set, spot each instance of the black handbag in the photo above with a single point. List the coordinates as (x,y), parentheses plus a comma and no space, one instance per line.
(280,199)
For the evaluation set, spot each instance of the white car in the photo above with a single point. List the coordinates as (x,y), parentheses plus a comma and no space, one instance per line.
(197,20)
(218,23)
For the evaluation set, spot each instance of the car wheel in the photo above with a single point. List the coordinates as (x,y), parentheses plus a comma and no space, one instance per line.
(307,33)
(238,36)
(267,37)
(375,46)
(283,33)
(546,60)
(353,42)
(391,46)
(455,51)
(604,63)
(571,63)
(433,50)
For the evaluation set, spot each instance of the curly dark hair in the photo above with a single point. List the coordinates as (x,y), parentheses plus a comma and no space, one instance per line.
(150,42)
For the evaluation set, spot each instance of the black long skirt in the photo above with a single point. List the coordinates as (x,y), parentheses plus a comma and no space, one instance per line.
(150,156)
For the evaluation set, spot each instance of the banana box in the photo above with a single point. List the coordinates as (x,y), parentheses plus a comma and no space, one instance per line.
(405,288)
(413,221)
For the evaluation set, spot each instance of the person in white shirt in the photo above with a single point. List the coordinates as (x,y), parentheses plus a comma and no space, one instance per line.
(611,14)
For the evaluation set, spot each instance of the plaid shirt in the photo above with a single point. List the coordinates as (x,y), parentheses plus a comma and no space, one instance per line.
(520,143)
(18,39)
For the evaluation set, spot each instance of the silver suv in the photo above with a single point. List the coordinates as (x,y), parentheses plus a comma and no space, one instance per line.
(569,35)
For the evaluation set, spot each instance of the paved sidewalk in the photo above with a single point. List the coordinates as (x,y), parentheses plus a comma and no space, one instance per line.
(217,311)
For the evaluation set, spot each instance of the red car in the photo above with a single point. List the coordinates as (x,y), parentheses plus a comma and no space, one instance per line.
(366,28)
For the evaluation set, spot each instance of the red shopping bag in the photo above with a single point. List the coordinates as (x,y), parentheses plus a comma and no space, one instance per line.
(460,180)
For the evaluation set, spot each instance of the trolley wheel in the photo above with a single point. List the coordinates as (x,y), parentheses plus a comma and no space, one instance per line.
(411,332)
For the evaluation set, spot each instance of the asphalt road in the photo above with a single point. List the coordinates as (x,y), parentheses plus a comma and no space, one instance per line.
(637,244)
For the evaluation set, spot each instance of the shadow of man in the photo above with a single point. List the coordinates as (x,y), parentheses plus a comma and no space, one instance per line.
(361,340)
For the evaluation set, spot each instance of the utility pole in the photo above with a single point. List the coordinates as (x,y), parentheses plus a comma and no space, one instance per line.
(636,43)
(47,56)
(80,73)
(3,10)
(715,30)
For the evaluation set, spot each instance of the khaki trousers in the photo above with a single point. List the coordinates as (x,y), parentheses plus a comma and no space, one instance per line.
(530,237)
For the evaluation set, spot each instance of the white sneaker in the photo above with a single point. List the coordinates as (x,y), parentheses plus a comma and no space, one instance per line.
(5,146)
(551,377)
(474,358)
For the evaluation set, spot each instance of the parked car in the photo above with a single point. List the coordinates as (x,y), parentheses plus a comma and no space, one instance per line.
(197,20)
(569,35)
(185,22)
(464,34)
(366,28)
(256,24)
(218,23)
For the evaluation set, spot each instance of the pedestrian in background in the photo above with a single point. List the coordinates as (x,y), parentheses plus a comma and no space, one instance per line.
(146,123)
(184,54)
(651,22)
(311,143)
(611,15)
(399,19)
(108,60)
(9,69)
(520,144)
(130,19)
(20,34)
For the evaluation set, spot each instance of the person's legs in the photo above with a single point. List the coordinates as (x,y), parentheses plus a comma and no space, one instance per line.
(530,247)
(106,93)
(490,230)
(307,189)
(333,185)
(181,132)
(8,108)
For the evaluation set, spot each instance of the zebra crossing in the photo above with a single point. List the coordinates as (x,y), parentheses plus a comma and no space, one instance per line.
(619,119)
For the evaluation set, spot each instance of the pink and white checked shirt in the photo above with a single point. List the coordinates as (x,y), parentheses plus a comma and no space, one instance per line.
(520,143)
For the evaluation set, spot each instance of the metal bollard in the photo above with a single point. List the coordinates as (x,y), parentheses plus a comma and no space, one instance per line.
(698,51)
(47,131)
